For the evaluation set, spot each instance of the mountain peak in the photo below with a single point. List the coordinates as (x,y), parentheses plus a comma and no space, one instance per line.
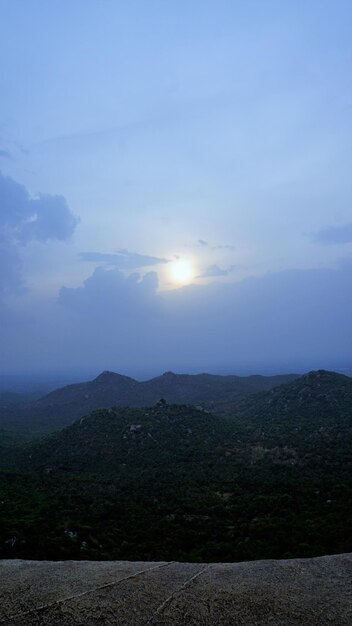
(106,374)
(107,377)
(168,375)
(321,375)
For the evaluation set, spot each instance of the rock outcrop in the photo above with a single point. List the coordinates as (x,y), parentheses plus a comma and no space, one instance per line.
(301,592)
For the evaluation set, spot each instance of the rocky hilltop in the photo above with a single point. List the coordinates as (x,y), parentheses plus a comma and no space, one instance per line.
(301,592)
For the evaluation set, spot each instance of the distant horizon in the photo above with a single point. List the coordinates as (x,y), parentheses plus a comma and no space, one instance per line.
(27,381)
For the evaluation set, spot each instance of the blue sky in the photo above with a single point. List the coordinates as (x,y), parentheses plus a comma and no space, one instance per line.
(137,132)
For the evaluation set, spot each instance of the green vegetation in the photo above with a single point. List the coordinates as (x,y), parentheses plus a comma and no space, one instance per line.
(174,482)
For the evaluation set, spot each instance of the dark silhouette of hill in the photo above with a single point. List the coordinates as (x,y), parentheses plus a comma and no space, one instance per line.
(173,482)
(62,406)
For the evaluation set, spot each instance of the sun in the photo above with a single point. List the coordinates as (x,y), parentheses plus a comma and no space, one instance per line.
(181,271)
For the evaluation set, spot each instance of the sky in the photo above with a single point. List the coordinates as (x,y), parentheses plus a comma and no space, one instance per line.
(175,186)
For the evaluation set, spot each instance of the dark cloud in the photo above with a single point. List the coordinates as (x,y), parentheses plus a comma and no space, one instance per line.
(51,218)
(24,219)
(108,293)
(334,234)
(212,271)
(123,259)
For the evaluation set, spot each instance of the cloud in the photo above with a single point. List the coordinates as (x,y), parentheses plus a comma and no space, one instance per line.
(297,319)
(10,268)
(24,219)
(123,259)
(334,234)
(224,247)
(107,293)
(281,320)
(213,271)
(50,219)
(201,243)
(5,154)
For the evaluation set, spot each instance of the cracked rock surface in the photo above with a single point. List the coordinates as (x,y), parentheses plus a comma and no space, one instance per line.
(299,592)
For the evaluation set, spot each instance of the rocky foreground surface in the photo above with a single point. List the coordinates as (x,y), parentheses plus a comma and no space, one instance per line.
(71,593)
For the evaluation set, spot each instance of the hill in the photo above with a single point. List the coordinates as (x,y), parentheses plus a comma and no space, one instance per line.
(306,421)
(125,439)
(62,406)
(173,482)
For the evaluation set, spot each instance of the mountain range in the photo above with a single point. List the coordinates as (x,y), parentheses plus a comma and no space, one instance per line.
(62,406)
(177,482)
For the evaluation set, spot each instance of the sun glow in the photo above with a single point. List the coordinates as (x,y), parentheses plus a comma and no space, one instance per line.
(181,271)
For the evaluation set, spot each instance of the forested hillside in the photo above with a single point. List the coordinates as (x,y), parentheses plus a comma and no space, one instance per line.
(173,482)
